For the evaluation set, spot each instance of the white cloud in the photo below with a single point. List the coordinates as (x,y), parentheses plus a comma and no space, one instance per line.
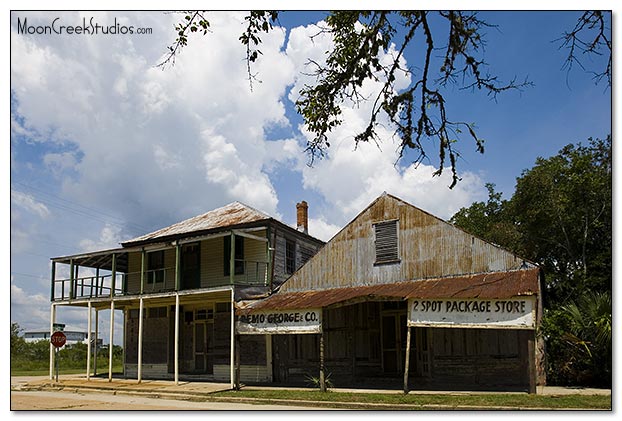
(109,237)
(28,203)
(321,229)
(352,176)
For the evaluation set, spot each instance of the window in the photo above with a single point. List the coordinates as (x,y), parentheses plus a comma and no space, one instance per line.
(155,267)
(387,250)
(290,256)
(239,255)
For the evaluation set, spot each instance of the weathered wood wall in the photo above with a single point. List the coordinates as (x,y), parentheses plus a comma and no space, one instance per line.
(428,248)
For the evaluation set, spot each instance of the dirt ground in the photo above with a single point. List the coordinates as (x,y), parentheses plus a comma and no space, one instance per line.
(65,401)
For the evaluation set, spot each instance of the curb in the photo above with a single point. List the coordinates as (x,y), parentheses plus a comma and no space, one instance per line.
(195,396)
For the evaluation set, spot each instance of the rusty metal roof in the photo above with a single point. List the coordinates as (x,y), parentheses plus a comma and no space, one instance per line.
(233,214)
(495,285)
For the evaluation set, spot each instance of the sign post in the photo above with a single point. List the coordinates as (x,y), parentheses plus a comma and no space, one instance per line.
(58,340)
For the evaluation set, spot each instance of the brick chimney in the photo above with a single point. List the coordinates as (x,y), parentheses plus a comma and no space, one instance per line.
(302,217)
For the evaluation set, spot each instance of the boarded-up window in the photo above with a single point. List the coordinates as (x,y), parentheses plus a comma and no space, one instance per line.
(387,250)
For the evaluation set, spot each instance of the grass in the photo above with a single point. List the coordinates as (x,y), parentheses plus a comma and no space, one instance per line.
(431,401)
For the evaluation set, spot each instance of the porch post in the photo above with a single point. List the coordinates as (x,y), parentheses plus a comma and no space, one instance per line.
(407,360)
(232,345)
(322,377)
(232,260)
(176,339)
(177,268)
(96,284)
(71,279)
(269,357)
(142,271)
(113,281)
(237,362)
(140,341)
(88,343)
(53,278)
(96,342)
(531,360)
(110,344)
(269,259)
(52,321)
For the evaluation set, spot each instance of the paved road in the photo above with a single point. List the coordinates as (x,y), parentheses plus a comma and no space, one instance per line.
(40,401)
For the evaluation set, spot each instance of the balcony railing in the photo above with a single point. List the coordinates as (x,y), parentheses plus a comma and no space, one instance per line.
(87,287)
(155,281)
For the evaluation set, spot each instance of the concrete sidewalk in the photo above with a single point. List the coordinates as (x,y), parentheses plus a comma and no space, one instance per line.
(201,389)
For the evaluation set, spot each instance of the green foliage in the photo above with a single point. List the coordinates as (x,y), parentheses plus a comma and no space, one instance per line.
(560,217)
(563,208)
(578,338)
(315,382)
(418,112)
(35,356)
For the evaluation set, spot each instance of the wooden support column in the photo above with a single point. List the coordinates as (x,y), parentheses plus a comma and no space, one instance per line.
(88,342)
(269,357)
(177,266)
(322,374)
(113,281)
(176,339)
(96,341)
(232,260)
(53,279)
(142,271)
(140,341)
(237,362)
(269,260)
(52,321)
(407,359)
(232,345)
(71,279)
(110,344)
(531,360)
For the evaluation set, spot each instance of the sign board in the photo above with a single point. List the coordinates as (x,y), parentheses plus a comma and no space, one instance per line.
(58,339)
(513,313)
(58,327)
(275,322)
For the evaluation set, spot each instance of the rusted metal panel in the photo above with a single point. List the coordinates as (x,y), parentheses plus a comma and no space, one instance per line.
(428,248)
(233,214)
(497,285)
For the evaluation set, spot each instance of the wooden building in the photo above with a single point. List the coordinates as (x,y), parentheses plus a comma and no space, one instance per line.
(177,288)
(400,297)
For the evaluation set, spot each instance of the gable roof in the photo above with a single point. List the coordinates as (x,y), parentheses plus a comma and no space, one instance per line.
(429,248)
(233,214)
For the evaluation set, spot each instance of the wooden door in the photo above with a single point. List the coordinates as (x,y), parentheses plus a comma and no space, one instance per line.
(190,266)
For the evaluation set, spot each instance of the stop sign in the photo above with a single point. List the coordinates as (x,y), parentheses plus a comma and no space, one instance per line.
(58,339)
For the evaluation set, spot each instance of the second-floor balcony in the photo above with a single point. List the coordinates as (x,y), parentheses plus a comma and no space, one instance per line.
(205,263)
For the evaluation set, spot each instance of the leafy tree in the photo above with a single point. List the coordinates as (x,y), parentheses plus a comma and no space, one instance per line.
(17,342)
(419,112)
(560,217)
(562,208)
(489,220)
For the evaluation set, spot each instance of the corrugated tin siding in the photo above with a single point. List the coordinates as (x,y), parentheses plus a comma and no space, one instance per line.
(428,248)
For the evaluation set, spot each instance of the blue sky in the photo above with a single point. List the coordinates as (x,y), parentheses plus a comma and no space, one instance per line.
(104,146)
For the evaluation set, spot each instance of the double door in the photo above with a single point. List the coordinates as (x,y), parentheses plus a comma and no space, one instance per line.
(394,335)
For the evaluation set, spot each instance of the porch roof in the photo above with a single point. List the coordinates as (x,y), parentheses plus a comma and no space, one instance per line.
(101,259)
(495,285)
